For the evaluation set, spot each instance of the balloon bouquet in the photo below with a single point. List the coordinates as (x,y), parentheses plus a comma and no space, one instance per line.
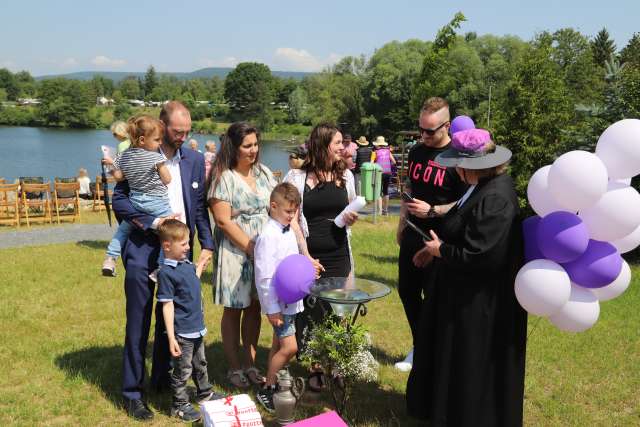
(588,214)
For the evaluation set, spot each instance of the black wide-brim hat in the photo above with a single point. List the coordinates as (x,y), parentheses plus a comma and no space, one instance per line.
(467,151)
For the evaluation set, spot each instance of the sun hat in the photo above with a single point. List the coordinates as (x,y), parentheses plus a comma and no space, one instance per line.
(380,142)
(362,141)
(300,151)
(467,151)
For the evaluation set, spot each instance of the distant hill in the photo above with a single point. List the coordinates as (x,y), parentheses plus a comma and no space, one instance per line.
(116,76)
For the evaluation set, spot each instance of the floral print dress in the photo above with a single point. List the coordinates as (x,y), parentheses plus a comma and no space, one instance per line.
(233,278)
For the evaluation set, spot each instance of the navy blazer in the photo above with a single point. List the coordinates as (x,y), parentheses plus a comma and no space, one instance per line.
(195,205)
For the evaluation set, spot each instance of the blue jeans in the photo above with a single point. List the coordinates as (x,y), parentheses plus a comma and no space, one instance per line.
(152,205)
(288,327)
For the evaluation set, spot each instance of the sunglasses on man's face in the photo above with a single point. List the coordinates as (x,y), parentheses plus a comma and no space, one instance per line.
(430,131)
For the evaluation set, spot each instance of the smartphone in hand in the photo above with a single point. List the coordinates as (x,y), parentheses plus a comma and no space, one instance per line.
(406,197)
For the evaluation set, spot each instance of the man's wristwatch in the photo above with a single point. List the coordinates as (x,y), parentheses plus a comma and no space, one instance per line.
(431,212)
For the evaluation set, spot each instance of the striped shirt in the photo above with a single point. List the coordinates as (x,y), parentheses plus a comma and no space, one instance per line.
(139,168)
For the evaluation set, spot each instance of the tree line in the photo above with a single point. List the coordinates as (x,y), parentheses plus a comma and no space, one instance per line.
(555,92)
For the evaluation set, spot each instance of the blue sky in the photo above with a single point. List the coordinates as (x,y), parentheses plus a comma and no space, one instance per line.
(46,37)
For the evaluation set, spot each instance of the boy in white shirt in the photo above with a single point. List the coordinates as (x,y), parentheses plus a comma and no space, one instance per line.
(276,242)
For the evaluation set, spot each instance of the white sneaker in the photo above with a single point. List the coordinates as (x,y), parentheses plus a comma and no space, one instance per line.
(406,364)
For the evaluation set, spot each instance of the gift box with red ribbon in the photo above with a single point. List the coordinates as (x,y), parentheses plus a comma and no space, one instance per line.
(232,411)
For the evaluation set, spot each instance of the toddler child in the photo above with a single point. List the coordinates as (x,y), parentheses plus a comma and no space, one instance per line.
(143,167)
(276,242)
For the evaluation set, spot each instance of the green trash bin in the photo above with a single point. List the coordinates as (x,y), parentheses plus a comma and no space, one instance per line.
(371,181)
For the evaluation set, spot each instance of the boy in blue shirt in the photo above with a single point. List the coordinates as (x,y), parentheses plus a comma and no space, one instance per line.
(179,293)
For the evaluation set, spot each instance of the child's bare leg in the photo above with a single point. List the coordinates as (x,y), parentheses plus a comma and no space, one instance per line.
(287,349)
(275,346)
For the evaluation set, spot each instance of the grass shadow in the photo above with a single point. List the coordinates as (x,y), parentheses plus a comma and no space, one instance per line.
(101,366)
(377,278)
(93,244)
(382,356)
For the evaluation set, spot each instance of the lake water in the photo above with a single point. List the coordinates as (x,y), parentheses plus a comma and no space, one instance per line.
(50,152)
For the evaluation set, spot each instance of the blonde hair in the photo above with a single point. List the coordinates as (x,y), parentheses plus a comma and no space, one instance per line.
(172,230)
(143,125)
(286,192)
(435,104)
(210,146)
(82,172)
(119,129)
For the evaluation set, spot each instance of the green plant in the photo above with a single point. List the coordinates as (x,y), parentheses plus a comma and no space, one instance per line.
(342,349)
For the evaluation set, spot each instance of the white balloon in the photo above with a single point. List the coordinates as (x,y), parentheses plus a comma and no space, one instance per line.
(579,313)
(619,148)
(538,193)
(615,215)
(542,287)
(577,180)
(628,242)
(615,288)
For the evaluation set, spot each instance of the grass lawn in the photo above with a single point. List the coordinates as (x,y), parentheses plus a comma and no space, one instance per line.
(64,329)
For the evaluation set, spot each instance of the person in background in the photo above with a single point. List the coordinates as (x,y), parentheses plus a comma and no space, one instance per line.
(193,144)
(469,361)
(385,159)
(297,157)
(209,159)
(119,132)
(434,190)
(85,184)
(363,155)
(349,152)
(239,201)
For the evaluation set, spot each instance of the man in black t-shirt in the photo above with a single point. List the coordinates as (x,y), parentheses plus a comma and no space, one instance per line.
(434,189)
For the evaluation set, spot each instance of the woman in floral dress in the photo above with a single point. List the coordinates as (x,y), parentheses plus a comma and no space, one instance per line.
(239,198)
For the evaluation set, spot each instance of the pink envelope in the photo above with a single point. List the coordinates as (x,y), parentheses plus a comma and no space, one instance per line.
(328,419)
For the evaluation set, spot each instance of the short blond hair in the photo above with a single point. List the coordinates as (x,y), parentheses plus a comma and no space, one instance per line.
(172,230)
(119,129)
(143,125)
(434,104)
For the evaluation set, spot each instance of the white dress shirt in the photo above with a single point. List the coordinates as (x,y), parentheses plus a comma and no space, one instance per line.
(176,200)
(272,246)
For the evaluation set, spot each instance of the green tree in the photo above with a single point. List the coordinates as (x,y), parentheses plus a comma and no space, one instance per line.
(630,54)
(388,84)
(130,88)
(572,52)
(248,89)
(9,84)
(535,110)
(67,103)
(150,80)
(602,47)
(122,111)
(298,106)
(434,64)
(3,96)
(168,87)
(26,84)
(102,86)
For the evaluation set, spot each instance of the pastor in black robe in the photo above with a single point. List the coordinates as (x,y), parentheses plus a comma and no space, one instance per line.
(469,361)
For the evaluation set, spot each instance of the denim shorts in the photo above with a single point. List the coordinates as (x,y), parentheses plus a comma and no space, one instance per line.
(288,327)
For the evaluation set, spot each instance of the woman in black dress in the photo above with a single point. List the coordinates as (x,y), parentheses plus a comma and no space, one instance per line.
(326,187)
(470,356)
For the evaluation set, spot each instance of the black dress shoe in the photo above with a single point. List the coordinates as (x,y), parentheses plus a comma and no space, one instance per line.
(137,409)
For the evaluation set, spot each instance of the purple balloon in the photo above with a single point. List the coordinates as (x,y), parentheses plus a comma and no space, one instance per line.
(293,278)
(562,236)
(598,266)
(461,123)
(530,234)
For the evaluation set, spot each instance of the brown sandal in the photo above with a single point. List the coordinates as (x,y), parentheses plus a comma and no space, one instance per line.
(238,379)
(254,376)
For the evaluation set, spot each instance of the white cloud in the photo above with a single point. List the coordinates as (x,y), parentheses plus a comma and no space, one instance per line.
(68,63)
(104,61)
(227,62)
(290,59)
